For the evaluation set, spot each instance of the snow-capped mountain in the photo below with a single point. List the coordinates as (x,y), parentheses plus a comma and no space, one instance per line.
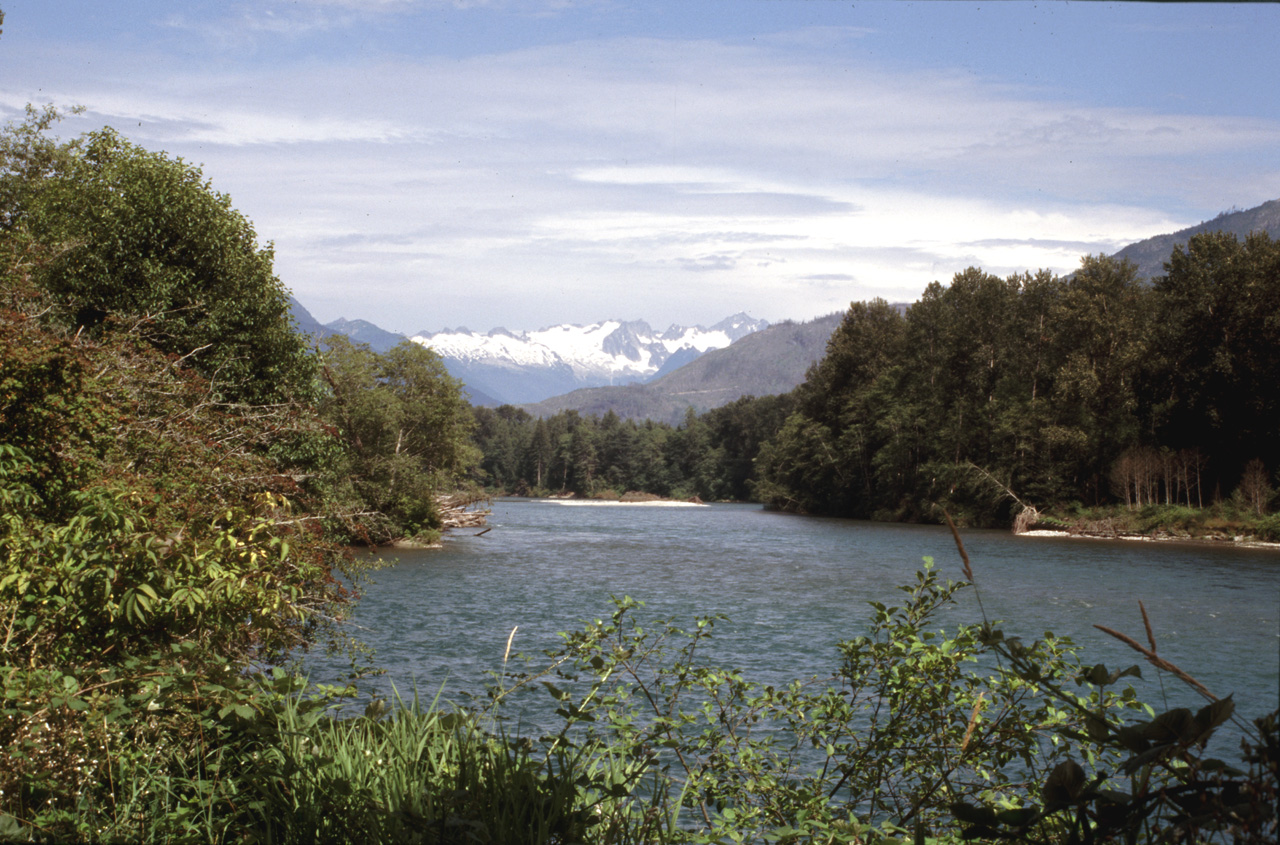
(520,367)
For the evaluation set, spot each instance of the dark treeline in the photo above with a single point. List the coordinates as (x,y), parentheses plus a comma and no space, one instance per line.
(1089,389)
(1052,391)
(709,456)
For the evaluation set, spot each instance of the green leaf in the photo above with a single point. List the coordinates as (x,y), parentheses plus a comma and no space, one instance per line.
(1065,783)
(1177,725)
(1098,675)
(1214,714)
(1018,817)
(970,814)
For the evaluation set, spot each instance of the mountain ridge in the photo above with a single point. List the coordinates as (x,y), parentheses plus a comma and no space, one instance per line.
(1151,254)
(764,363)
(510,367)
(529,366)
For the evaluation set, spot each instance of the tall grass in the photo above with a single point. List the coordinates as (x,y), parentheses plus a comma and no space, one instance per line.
(416,773)
(299,772)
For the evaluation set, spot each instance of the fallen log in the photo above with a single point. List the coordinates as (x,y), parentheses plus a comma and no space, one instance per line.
(461,511)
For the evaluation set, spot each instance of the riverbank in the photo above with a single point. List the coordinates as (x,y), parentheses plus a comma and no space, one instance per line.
(1241,541)
(631,497)
(1219,525)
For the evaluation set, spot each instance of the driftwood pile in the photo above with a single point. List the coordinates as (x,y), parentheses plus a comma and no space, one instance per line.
(459,511)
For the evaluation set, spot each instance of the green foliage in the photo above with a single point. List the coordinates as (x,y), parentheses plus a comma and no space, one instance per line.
(131,602)
(157,540)
(1159,786)
(993,394)
(413,773)
(910,723)
(160,549)
(137,236)
(710,456)
(1217,351)
(406,430)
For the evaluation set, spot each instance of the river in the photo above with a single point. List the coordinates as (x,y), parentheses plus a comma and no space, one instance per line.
(794,586)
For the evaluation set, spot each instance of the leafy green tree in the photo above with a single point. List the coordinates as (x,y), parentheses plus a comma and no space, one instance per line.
(835,420)
(1102,322)
(652,472)
(966,329)
(541,452)
(1216,352)
(143,239)
(150,557)
(738,430)
(583,454)
(407,429)
(617,444)
(28,157)
(799,470)
(502,436)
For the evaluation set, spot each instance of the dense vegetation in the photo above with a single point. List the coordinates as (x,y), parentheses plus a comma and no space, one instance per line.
(1087,389)
(179,478)
(708,456)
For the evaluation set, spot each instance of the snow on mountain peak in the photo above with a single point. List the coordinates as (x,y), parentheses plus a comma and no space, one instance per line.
(608,352)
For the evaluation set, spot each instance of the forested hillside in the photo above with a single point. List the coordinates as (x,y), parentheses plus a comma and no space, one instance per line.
(1151,254)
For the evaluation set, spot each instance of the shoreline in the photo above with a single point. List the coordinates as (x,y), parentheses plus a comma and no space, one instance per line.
(1238,542)
(630,503)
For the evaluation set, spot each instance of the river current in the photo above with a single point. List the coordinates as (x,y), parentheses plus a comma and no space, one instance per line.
(793,587)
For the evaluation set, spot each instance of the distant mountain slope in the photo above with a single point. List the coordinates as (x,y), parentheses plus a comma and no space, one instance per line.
(303,321)
(765,363)
(1150,255)
(531,366)
(510,367)
(362,331)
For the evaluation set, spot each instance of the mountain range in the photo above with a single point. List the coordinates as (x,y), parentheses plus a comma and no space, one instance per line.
(521,367)
(764,363)
(636,372)
(502,367)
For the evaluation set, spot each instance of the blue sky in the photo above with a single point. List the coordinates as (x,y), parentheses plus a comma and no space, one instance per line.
(521,163)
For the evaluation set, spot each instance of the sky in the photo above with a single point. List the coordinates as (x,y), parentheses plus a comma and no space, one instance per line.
(425,164)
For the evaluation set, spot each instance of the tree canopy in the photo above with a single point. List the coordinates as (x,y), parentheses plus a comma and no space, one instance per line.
(989,393)
(139,238)
(172,502)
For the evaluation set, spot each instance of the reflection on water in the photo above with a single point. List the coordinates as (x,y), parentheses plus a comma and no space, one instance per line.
(794,586)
